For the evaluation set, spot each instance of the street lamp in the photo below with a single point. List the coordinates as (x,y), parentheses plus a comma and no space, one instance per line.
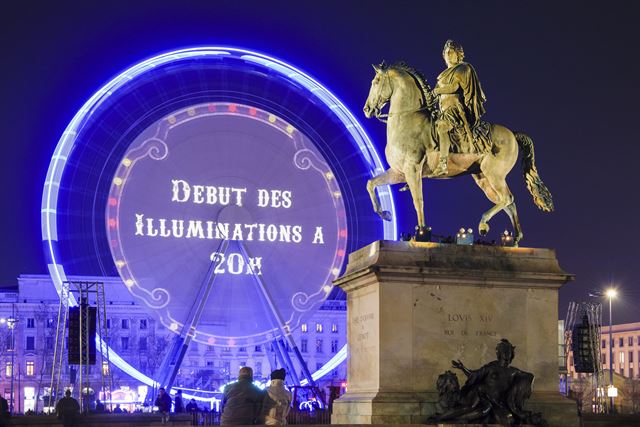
(610,293)
(11,324)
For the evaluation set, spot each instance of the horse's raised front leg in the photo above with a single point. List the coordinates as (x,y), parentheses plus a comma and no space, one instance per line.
(388,177)
(414,180)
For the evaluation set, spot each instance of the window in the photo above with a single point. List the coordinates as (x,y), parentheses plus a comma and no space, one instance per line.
(124,343)
(318,346)
(108,323)
(621,358)
(7,369)
(105,368)
(142,343)
(630,372)
(242,349)
(209,362)
(49,343)
(621,342)
(31,369)
(143,323)
(31,322)
(334,346)
(319,328)
(630,341)
(304,328)
(334,328)
(613,343)
(125,324)
(630,357)
(31,344)
(303,346)
(604,344)
(257,349)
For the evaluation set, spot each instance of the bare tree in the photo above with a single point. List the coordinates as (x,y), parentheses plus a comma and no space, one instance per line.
(42,314)
(158,346)
(581,390)
(632,389)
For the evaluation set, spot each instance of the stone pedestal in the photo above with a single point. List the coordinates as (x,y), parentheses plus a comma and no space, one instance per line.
(414,307)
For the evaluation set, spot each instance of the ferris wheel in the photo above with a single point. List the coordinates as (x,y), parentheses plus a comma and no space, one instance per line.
(224,186)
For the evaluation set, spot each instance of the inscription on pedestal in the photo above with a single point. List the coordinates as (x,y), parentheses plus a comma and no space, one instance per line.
(465,324)
(362,326)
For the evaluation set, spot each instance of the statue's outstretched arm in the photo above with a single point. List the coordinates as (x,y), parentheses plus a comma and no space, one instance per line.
(447,89)
(459,365)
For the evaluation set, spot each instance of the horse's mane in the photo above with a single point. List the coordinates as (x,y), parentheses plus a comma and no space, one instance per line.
(428,98)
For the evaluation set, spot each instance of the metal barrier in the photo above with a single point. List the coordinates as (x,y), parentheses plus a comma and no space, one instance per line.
(294,417)
(306,417)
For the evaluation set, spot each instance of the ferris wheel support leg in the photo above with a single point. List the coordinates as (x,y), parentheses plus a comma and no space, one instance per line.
(173,360)
(287,361)
(281,324)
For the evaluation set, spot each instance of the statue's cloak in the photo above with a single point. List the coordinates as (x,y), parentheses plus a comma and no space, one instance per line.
(467,78)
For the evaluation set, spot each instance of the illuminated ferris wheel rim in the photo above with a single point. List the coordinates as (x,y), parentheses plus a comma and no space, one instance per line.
(66,142)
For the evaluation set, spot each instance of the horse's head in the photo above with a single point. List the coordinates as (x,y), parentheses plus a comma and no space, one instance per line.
(380,91)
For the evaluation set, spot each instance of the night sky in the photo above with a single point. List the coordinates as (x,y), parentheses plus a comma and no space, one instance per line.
(566,74)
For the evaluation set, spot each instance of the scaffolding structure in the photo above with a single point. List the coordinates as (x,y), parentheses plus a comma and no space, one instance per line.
(88,296)
(587,317)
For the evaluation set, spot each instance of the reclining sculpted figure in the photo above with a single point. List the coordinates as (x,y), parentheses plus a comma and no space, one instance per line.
(495,393)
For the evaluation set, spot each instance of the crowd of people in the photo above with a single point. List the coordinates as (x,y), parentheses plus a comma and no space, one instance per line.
(243,403)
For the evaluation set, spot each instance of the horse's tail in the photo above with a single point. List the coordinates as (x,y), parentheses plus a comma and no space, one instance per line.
(541,194)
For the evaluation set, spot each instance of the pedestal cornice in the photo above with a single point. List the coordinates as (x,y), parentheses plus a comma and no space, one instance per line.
(448,264)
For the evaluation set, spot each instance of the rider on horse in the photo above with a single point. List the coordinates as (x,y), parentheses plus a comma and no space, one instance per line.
(460,98)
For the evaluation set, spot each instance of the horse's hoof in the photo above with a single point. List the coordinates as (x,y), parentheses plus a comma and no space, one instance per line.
(423,234)
(386,215)
(405,188)
(483,228)
(516,241)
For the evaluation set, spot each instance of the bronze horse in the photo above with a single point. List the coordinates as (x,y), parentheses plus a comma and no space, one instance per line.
(411,149)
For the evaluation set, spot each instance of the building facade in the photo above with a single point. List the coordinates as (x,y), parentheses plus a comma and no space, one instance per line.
(28,321)
(625,346)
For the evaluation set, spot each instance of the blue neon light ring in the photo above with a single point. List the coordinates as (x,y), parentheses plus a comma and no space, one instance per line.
(82,122)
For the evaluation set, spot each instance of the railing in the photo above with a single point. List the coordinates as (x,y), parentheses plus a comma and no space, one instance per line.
(205,418)
(306,417)
(294,417)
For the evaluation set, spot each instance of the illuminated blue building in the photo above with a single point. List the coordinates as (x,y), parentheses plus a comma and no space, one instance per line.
(135,335)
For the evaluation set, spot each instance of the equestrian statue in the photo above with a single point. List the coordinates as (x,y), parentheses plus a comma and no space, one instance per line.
(439,134)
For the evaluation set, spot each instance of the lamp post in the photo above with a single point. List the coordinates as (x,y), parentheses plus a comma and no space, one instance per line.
(11,324)
(611,294)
